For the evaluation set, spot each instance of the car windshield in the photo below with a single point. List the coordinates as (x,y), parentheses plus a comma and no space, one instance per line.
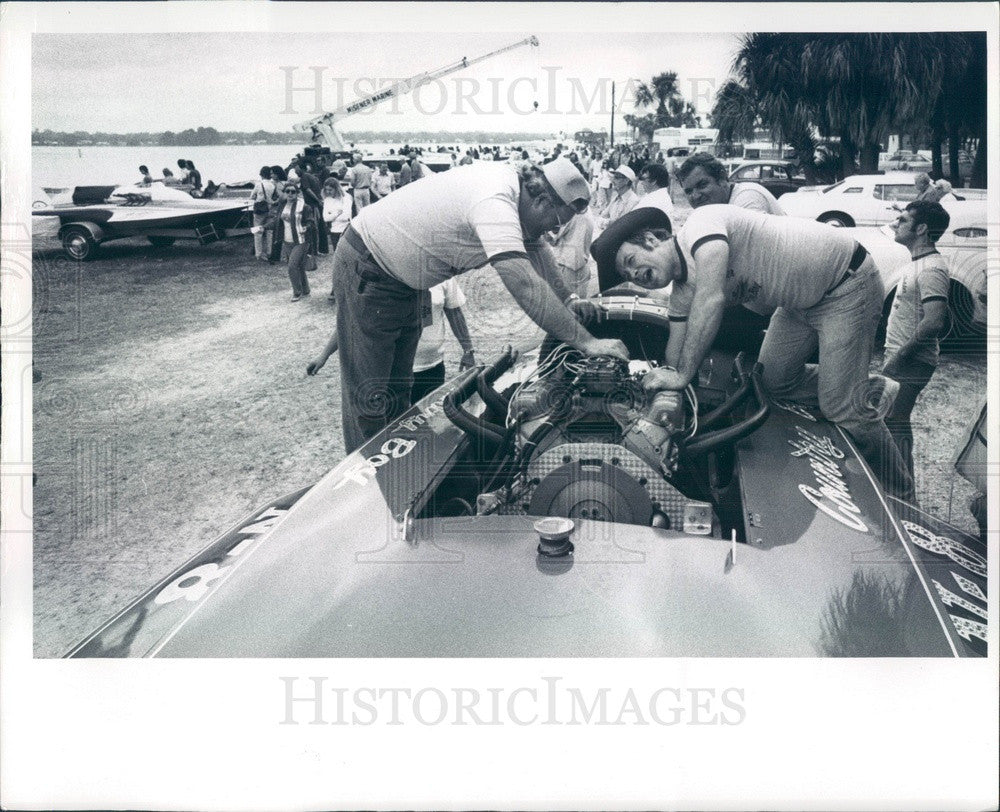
(895,191)
(831,188)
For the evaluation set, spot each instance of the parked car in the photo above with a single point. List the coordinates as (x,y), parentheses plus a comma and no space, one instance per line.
(732,164)
(778,177)
(863,200)
(905,160)
(553,509)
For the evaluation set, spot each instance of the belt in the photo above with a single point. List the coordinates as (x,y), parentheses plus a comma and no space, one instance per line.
(857,260)
(374,272)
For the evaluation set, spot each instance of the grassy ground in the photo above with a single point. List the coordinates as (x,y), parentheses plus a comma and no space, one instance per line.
(173,400)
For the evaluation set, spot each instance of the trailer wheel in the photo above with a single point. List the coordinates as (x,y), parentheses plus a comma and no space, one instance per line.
(78,243)
(161,242)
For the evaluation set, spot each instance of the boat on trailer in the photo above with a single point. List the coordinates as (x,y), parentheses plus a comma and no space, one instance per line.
(91,215)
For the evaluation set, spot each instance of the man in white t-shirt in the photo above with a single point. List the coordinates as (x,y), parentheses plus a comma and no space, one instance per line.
(823,289)
(360,178)
(705,183)
(427,232)
(918,315)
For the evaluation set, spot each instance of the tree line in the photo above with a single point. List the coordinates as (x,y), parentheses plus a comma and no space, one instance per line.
(209,136)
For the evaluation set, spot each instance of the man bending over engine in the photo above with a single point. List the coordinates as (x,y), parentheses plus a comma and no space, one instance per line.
(395,250)
(823,289)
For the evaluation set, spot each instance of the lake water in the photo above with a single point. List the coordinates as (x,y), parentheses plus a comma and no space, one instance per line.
(91,165)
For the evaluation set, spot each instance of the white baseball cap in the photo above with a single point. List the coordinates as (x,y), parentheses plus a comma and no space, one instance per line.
(626,172)
(567,181)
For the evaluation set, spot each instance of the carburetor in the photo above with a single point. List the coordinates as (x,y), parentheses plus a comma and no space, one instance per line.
(651,434)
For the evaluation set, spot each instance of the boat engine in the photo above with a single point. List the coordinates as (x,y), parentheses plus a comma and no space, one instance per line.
(591,444)
(579,437)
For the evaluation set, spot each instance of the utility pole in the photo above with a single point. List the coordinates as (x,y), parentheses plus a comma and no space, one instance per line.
(612,115)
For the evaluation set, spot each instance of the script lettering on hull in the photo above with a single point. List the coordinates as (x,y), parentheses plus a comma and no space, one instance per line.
(830,493)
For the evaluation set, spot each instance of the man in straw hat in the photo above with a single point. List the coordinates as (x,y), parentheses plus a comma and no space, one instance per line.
(821,285)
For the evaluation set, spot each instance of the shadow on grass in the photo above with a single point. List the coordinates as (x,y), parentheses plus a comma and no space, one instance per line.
(136,256)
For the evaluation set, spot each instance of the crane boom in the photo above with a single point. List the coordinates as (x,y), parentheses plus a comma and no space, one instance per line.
(322,127)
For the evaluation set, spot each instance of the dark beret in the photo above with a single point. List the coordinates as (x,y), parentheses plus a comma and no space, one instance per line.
(605,248)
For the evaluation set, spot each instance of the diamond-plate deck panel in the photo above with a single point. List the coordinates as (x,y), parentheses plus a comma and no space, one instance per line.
(664,495)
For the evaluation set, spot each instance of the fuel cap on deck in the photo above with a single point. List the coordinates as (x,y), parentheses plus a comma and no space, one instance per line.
(553,536)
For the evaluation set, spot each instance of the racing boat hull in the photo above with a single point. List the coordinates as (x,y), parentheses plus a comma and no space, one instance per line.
(380,559)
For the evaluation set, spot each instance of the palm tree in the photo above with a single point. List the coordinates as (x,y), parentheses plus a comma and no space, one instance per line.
(858,87)
(667,94)
(647,126)
(671,108)
(630,122)
(960,111)
(644,96)
(734,113)
(972,101)
(869,85)
(770,88)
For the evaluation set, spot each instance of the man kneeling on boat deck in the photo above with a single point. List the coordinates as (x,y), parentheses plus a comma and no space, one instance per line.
(396,249)
(822,287)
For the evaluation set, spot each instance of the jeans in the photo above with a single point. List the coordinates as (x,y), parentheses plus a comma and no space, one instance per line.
(378,327)
(297,258)
(912,377)
(362,198)
(322,241)
(842,327)
(334,240)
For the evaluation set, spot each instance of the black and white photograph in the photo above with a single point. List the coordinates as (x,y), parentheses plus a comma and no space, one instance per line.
(459,405)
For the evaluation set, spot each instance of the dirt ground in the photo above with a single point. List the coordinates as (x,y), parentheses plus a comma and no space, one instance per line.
(172,400)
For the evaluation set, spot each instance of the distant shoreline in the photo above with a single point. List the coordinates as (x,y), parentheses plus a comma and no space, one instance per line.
(80,139)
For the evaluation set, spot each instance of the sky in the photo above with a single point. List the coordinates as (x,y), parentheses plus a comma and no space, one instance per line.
(135,82)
